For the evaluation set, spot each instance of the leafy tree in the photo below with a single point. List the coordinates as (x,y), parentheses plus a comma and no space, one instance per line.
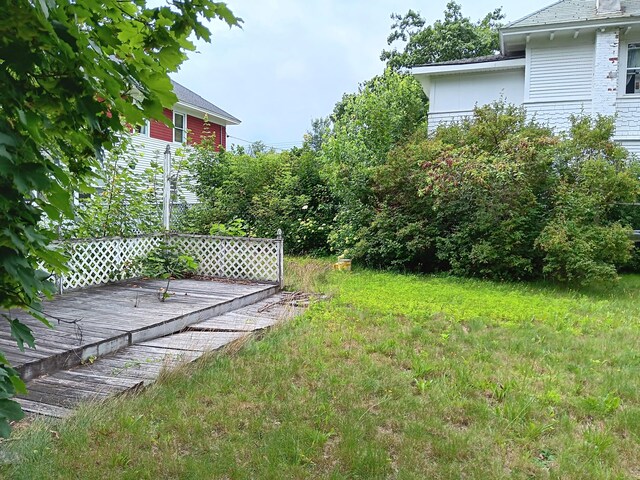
(74,74)
(320,129)
(384,113)
(453,38)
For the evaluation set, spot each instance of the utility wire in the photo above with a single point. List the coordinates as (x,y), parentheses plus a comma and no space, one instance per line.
(276,146)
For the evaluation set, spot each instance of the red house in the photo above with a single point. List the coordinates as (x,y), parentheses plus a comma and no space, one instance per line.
(188,117)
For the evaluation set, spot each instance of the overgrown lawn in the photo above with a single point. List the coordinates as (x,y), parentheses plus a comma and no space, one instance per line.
(393,377)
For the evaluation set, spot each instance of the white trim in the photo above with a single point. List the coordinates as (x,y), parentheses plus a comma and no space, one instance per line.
(527,72)
(516,63)
(558,100)
(146,134)
(586,24)
(452,112)
(184,128)
(202,111)
(629,98)
(623,59)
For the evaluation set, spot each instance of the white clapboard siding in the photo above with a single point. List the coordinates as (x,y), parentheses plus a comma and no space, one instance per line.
(151,149)
(561,72)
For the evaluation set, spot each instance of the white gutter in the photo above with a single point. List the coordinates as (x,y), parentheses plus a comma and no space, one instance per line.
(578,25)
(469,67)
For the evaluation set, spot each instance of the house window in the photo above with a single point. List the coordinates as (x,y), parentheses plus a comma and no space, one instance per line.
(633,68)
(179,127)
(143,129)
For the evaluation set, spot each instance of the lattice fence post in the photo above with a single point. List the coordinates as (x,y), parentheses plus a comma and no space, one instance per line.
(280,242)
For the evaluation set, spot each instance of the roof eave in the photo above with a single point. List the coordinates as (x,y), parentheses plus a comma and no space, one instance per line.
(227,120)
(498,65)
(621,21)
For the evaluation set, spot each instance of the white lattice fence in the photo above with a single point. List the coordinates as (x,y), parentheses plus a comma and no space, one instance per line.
(234,257)
(102,260)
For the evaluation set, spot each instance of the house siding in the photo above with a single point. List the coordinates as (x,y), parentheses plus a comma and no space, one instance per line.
(443,118)
(196,128)
(160,131)
(627,125)
(557,114)
(559,71)
(149,150)
(453,97)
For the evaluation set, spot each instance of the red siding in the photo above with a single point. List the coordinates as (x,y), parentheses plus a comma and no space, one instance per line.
(197,130)
(161,131)
(195,126)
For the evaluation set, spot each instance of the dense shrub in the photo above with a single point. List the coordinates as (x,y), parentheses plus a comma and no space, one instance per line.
(263,193)
(367,126)
(497,195)
(501,196)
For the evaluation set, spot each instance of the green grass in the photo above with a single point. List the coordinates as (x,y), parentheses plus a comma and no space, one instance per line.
(393,377)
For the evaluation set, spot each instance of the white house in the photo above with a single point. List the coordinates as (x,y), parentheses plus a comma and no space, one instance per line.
(572,57)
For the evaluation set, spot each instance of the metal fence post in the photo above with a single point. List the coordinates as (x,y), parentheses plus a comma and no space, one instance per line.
(280,241)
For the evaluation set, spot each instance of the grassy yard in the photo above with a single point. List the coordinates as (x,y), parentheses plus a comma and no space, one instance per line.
(394,377)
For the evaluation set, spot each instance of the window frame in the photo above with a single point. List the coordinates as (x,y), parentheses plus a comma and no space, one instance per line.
(630,46)
(143,130)
(183,129)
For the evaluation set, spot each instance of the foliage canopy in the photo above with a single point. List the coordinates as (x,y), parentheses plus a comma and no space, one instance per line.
(74,73)
(453,38)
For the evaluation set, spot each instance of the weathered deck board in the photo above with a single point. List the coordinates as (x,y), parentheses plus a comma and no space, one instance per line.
(113,316)
(229,323)
(195,341)
(44,409)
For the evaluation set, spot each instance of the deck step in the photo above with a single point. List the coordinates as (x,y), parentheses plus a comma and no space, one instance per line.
(135,366)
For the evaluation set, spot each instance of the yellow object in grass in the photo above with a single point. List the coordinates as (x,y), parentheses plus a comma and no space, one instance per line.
(342,264)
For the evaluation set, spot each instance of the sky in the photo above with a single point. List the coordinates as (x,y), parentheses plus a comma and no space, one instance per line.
(293,60)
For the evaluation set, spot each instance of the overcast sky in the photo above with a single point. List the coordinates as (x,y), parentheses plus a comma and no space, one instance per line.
(293,60)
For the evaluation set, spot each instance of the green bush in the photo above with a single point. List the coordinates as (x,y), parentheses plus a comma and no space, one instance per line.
(166,261)
(266,192)
(503,197)
(385,112)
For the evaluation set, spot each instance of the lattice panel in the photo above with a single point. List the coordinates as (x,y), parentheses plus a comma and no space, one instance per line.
(99,261)
(237,258)
(103,260)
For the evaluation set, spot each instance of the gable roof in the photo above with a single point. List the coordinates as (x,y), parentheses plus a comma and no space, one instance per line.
(570,11)
(192,99)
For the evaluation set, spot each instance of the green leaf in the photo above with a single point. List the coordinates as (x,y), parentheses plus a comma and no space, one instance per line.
(11,410)
(5,428)
(22,334)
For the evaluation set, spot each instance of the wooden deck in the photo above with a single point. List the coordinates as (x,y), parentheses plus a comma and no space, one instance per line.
(135,366)
(92,323)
